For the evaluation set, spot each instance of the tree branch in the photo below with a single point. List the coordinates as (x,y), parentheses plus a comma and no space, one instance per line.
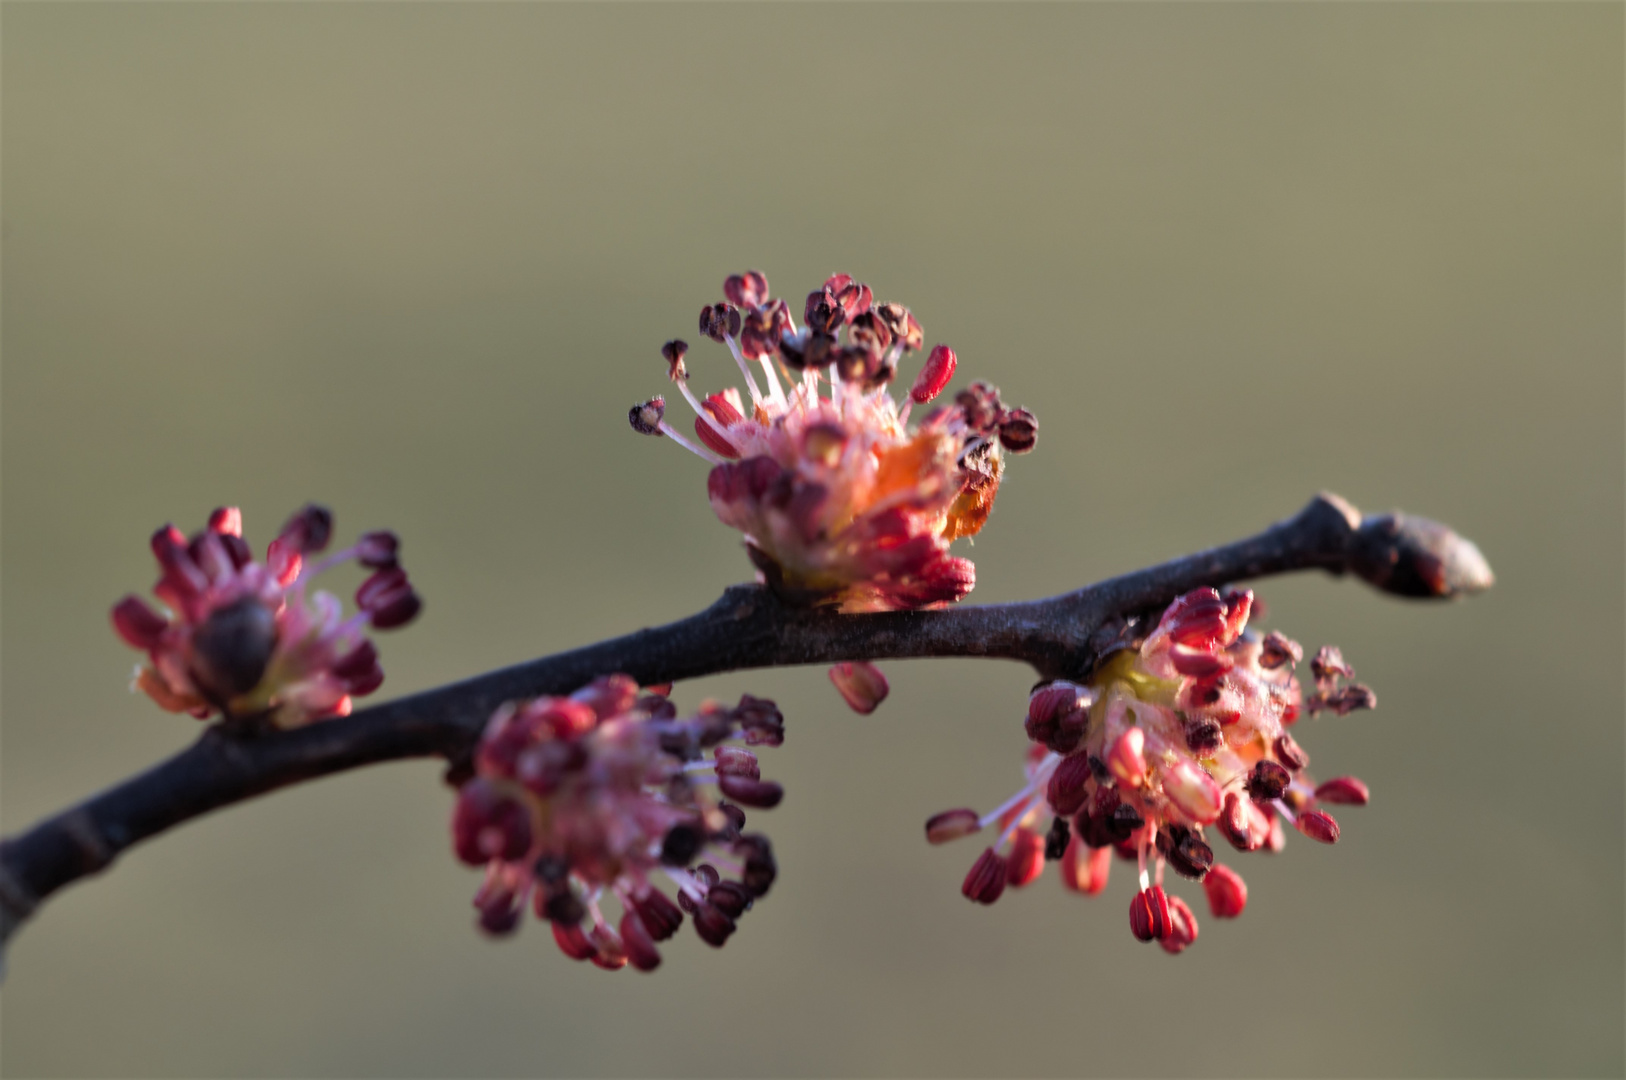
(747,628)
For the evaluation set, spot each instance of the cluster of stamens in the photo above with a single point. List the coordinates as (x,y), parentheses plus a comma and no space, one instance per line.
(249,639)
(583,799)
(1187,732)
(841,502)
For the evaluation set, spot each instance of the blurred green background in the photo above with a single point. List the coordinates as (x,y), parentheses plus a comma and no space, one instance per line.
(415,261)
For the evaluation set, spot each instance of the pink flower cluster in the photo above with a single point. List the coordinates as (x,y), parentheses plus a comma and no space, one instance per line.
(250,639)
(582,799)
(1186,733)
(842,503)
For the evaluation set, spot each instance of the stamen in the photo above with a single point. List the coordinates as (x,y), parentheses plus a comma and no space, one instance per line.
(699,451)
(1040,776)
(775,393)
(1281,808)
(745,369)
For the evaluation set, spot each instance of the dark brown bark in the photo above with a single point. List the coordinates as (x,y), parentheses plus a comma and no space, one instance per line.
(747,628)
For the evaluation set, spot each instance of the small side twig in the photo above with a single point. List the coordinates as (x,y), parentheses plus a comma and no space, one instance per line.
(747,628)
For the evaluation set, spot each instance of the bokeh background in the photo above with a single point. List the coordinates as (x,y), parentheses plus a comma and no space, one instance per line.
(415,261)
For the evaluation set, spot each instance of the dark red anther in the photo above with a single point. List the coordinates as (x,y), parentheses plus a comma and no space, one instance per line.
(396,610)
(139,625)
(1066,793)
(749,289)
(735,816)
(734,761)
(861,685)
(981,406)
(707,432)
(760,869)
(1026,861)
(646,418)
(573,942)
(1182,927)
(935,374)
(712,925)
(729,897)
(1328,665)
(951,825)
(1345,701)
(1057,839)
(488,825)
(1239,824)
(559,903)
(760,720)
(308,530)
(500,915)
(1290,753)
(673,353)
(1278,649)
(986,880)
(1268,781)
(1057,715)
(378,550)
(638,943)
(660,916)
(1149,914)
(719,321)
(612,951)
(1018,431)
(1343,791)
(681,844)
(181,575)
(1317,825)
(357,661)
(1203,735)
(379,585)
(762,329)
(1227,892)
(823,313)
(1190,856)
(226,521)
(764,794)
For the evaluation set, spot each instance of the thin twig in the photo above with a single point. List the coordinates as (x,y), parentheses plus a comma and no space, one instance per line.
(747,628)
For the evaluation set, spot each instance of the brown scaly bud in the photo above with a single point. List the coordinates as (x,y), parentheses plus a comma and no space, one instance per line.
(1278,649)
(1413,556)
(646,418)
(674,351)
(1018,431)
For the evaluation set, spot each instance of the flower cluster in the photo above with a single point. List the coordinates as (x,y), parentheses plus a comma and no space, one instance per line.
(248,639)
(579,799)
(842,503)
(1185,733)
